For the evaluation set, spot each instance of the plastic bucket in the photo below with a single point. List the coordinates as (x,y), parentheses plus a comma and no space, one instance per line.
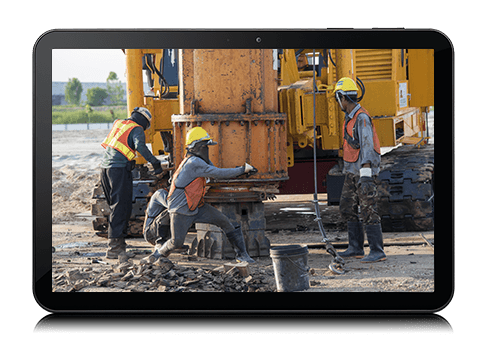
(290,267)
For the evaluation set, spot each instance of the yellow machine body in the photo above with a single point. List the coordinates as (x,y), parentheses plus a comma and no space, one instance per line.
(399,88)
(161,109)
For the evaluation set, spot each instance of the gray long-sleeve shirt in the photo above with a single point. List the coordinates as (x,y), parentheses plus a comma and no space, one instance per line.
(137,140)
(367,153)
(196,167)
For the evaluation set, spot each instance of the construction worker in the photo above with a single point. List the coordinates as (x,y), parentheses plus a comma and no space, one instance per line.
(185,198)
(125,138)
(156,229)
(361,166)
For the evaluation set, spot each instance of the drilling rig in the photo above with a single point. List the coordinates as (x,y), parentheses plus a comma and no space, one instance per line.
(259,105)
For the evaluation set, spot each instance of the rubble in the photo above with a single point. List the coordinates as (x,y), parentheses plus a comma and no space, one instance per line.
(165,276)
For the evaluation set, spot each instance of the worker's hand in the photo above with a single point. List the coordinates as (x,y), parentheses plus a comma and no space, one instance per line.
(366,183)
(250,170)
(157,170)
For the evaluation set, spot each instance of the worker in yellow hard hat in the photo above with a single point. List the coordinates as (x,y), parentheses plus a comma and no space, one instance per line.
(361,166)
(185,201)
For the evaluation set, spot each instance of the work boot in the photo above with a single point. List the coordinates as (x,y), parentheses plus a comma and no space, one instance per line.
(356,241)
(162,252)
(123,245)
(237,240)
(115,248)
(150,259)
(376,242)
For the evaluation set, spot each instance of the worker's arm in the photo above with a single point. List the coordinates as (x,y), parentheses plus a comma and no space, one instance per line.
(139,141)
(200,168)
(368,156)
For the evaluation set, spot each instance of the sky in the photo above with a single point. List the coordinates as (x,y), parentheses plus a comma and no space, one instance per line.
(88,65)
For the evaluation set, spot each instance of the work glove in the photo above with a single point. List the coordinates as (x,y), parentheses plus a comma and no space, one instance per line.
(366,183)
(250,170)
(157,170)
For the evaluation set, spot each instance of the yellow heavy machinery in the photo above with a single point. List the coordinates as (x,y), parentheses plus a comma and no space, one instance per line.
(396,102)
(261,106)
(398,88)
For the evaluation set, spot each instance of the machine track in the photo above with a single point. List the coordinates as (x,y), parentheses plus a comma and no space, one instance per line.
(406,189)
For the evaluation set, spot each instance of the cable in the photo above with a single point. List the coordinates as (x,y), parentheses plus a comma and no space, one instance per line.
(155,70)
(337,264)
(362,87)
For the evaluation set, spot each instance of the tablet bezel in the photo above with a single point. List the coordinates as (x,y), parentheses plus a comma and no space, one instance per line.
(245,303)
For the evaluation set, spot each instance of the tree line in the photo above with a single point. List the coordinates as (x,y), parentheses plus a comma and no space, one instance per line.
(95,96)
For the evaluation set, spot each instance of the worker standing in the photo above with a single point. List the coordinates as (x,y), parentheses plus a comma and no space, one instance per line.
(125,138)
(185,198)
(361,167)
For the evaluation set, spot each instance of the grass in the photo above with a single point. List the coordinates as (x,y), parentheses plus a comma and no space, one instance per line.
(82,115)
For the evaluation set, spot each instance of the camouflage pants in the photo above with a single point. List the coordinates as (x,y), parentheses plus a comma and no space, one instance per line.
(352,197)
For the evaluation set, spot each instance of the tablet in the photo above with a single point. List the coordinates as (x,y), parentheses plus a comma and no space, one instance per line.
(285,110)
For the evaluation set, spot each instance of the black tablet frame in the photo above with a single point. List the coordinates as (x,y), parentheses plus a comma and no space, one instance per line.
(245,303)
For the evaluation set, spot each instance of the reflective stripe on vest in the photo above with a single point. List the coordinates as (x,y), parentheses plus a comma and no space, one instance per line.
(351,154)
(195,190)
(118,136)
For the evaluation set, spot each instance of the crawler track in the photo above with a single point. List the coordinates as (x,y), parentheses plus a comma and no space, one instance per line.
(406,189)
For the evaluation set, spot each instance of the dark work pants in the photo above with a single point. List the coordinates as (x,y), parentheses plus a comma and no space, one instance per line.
(117,186)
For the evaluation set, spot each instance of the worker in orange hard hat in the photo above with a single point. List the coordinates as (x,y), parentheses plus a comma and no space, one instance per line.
(361,166)
(185,198)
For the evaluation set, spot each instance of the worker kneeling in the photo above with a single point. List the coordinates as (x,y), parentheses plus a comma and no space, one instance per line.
(185,199)
(156,229)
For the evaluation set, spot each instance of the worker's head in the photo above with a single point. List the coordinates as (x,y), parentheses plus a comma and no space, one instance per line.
(346,92)
(197,135)
(197,142)
(142,116)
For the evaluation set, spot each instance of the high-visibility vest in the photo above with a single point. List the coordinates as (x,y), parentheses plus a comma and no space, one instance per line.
(118,136)
(351,154)
(195,190)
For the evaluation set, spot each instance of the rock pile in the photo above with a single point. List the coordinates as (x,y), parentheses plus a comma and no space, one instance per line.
(164,276)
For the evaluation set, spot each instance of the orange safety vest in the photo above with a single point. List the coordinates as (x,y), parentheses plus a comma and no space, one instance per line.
(195,190)
(351,154)
(117,137)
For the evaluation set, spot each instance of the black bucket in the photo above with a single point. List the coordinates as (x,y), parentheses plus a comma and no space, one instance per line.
(290,267)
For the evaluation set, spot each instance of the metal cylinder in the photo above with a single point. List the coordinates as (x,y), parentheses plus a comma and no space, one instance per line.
(232,94)
(135,89)
(345,63)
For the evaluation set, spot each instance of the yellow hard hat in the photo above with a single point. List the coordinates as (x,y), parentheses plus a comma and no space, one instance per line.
(196,135)
(346,84)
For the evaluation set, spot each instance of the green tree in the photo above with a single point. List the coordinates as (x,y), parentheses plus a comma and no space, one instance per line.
(115,89)
(73,91)
(96,96)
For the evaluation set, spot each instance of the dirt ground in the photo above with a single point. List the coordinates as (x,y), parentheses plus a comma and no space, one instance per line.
(79,263)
